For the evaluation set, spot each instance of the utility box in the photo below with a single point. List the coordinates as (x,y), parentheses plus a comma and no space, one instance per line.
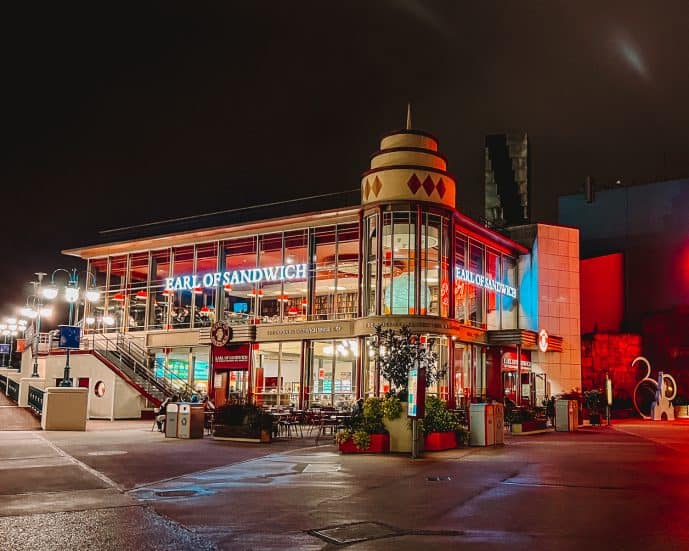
(190,421)
(499,424)
(482,424)
(171,413)
(566,415)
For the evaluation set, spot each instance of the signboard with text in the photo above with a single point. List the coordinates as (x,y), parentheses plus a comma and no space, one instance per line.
(233,357)
(416,399)
(70,335)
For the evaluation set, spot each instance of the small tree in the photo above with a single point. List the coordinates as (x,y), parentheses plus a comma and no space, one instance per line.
(397,351)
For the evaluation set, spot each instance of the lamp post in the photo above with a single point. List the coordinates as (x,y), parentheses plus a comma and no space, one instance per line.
(71,294)
(34,310)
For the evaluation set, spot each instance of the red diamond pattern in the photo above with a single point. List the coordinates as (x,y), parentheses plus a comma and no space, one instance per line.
(414,183)
(428,185)
(377,185)
(367,190)
(440,187)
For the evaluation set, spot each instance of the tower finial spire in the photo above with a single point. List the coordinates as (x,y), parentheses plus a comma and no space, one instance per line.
(409,115)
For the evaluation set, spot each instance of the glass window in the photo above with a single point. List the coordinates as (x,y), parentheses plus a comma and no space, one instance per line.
(509,308)
(347,280)
(371,244)
(113,318)
(475,293)
(277,373)
(492,298)
(160,300)
(183,265)
(271,299)
(205,297)
(399,243)
(460,286)
(326,267)
(333,372)
(138,291)
(93,312)
(240,298)
(200,372)
(293,301)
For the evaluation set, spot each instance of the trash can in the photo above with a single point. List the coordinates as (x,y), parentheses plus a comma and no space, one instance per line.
(499,424)
(171,413)
(481,425)
(190,421)
(566,415)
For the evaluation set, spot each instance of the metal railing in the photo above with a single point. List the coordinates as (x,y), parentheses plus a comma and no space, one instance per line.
(13,390)
(36,399)
(135,362)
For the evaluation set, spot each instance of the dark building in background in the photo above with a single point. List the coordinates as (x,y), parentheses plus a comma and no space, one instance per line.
(507,172)
(634,277)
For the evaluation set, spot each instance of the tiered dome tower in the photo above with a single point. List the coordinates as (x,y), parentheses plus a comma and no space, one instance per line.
(408,167)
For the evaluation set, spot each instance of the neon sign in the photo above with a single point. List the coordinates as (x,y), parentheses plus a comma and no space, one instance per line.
(288,272)
(485,282)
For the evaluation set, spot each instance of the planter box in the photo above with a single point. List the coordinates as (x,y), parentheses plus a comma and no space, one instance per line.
(437,441)
(681,412)
(400,433)
(380,443)
(528,426)
(235,431)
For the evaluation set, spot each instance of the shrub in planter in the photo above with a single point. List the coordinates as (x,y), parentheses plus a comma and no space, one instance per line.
(438,426)
(593,400)
(242,421)
(365,431)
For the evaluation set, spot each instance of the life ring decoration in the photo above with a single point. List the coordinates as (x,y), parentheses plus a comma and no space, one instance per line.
(670,385)
(221,333)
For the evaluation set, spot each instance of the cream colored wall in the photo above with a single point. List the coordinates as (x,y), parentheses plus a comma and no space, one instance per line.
(120,400)
(128,403)
(558,305)
(64,409)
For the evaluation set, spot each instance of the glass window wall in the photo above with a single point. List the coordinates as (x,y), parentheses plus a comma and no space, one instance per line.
(333,372)
(137,293)
(204,298)
(160,300)
(240,298)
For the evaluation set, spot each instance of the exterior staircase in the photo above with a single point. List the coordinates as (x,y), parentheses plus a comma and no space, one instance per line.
(136,366)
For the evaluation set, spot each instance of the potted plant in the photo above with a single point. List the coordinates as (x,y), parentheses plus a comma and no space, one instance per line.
(395,352)
(523,419)
(593,402)
(242,422)
(365,432)
(438,426)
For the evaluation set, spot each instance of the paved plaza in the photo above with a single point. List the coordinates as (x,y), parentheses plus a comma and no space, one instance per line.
(120,484)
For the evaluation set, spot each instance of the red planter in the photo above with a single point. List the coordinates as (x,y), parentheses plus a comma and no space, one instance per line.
(380,443)
(437,441)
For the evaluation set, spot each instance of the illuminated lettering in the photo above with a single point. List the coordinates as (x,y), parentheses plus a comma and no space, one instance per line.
(236,277)
(486,282)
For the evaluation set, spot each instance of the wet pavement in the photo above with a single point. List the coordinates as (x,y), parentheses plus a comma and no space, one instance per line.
(599,488)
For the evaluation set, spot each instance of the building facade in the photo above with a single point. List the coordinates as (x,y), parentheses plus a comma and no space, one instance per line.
(282,310)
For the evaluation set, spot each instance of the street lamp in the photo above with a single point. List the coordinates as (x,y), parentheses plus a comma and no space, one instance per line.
(71,294)
(34,310)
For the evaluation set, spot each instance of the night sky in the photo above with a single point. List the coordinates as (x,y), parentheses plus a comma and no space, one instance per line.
(129,115)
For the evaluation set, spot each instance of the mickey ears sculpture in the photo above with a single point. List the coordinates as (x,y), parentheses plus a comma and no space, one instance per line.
(663,390)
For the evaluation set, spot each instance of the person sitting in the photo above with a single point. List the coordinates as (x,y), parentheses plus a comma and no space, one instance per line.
(160,418)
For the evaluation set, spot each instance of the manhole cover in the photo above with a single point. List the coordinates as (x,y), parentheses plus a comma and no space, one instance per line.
(352,533)
(176,493)
(110,452)
(438,478)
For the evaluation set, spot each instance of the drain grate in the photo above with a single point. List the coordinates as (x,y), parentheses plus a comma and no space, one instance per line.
(353,533)
(438,478)
(177,493)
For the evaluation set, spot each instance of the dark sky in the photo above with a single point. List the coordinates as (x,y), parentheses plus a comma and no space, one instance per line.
(133,113)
